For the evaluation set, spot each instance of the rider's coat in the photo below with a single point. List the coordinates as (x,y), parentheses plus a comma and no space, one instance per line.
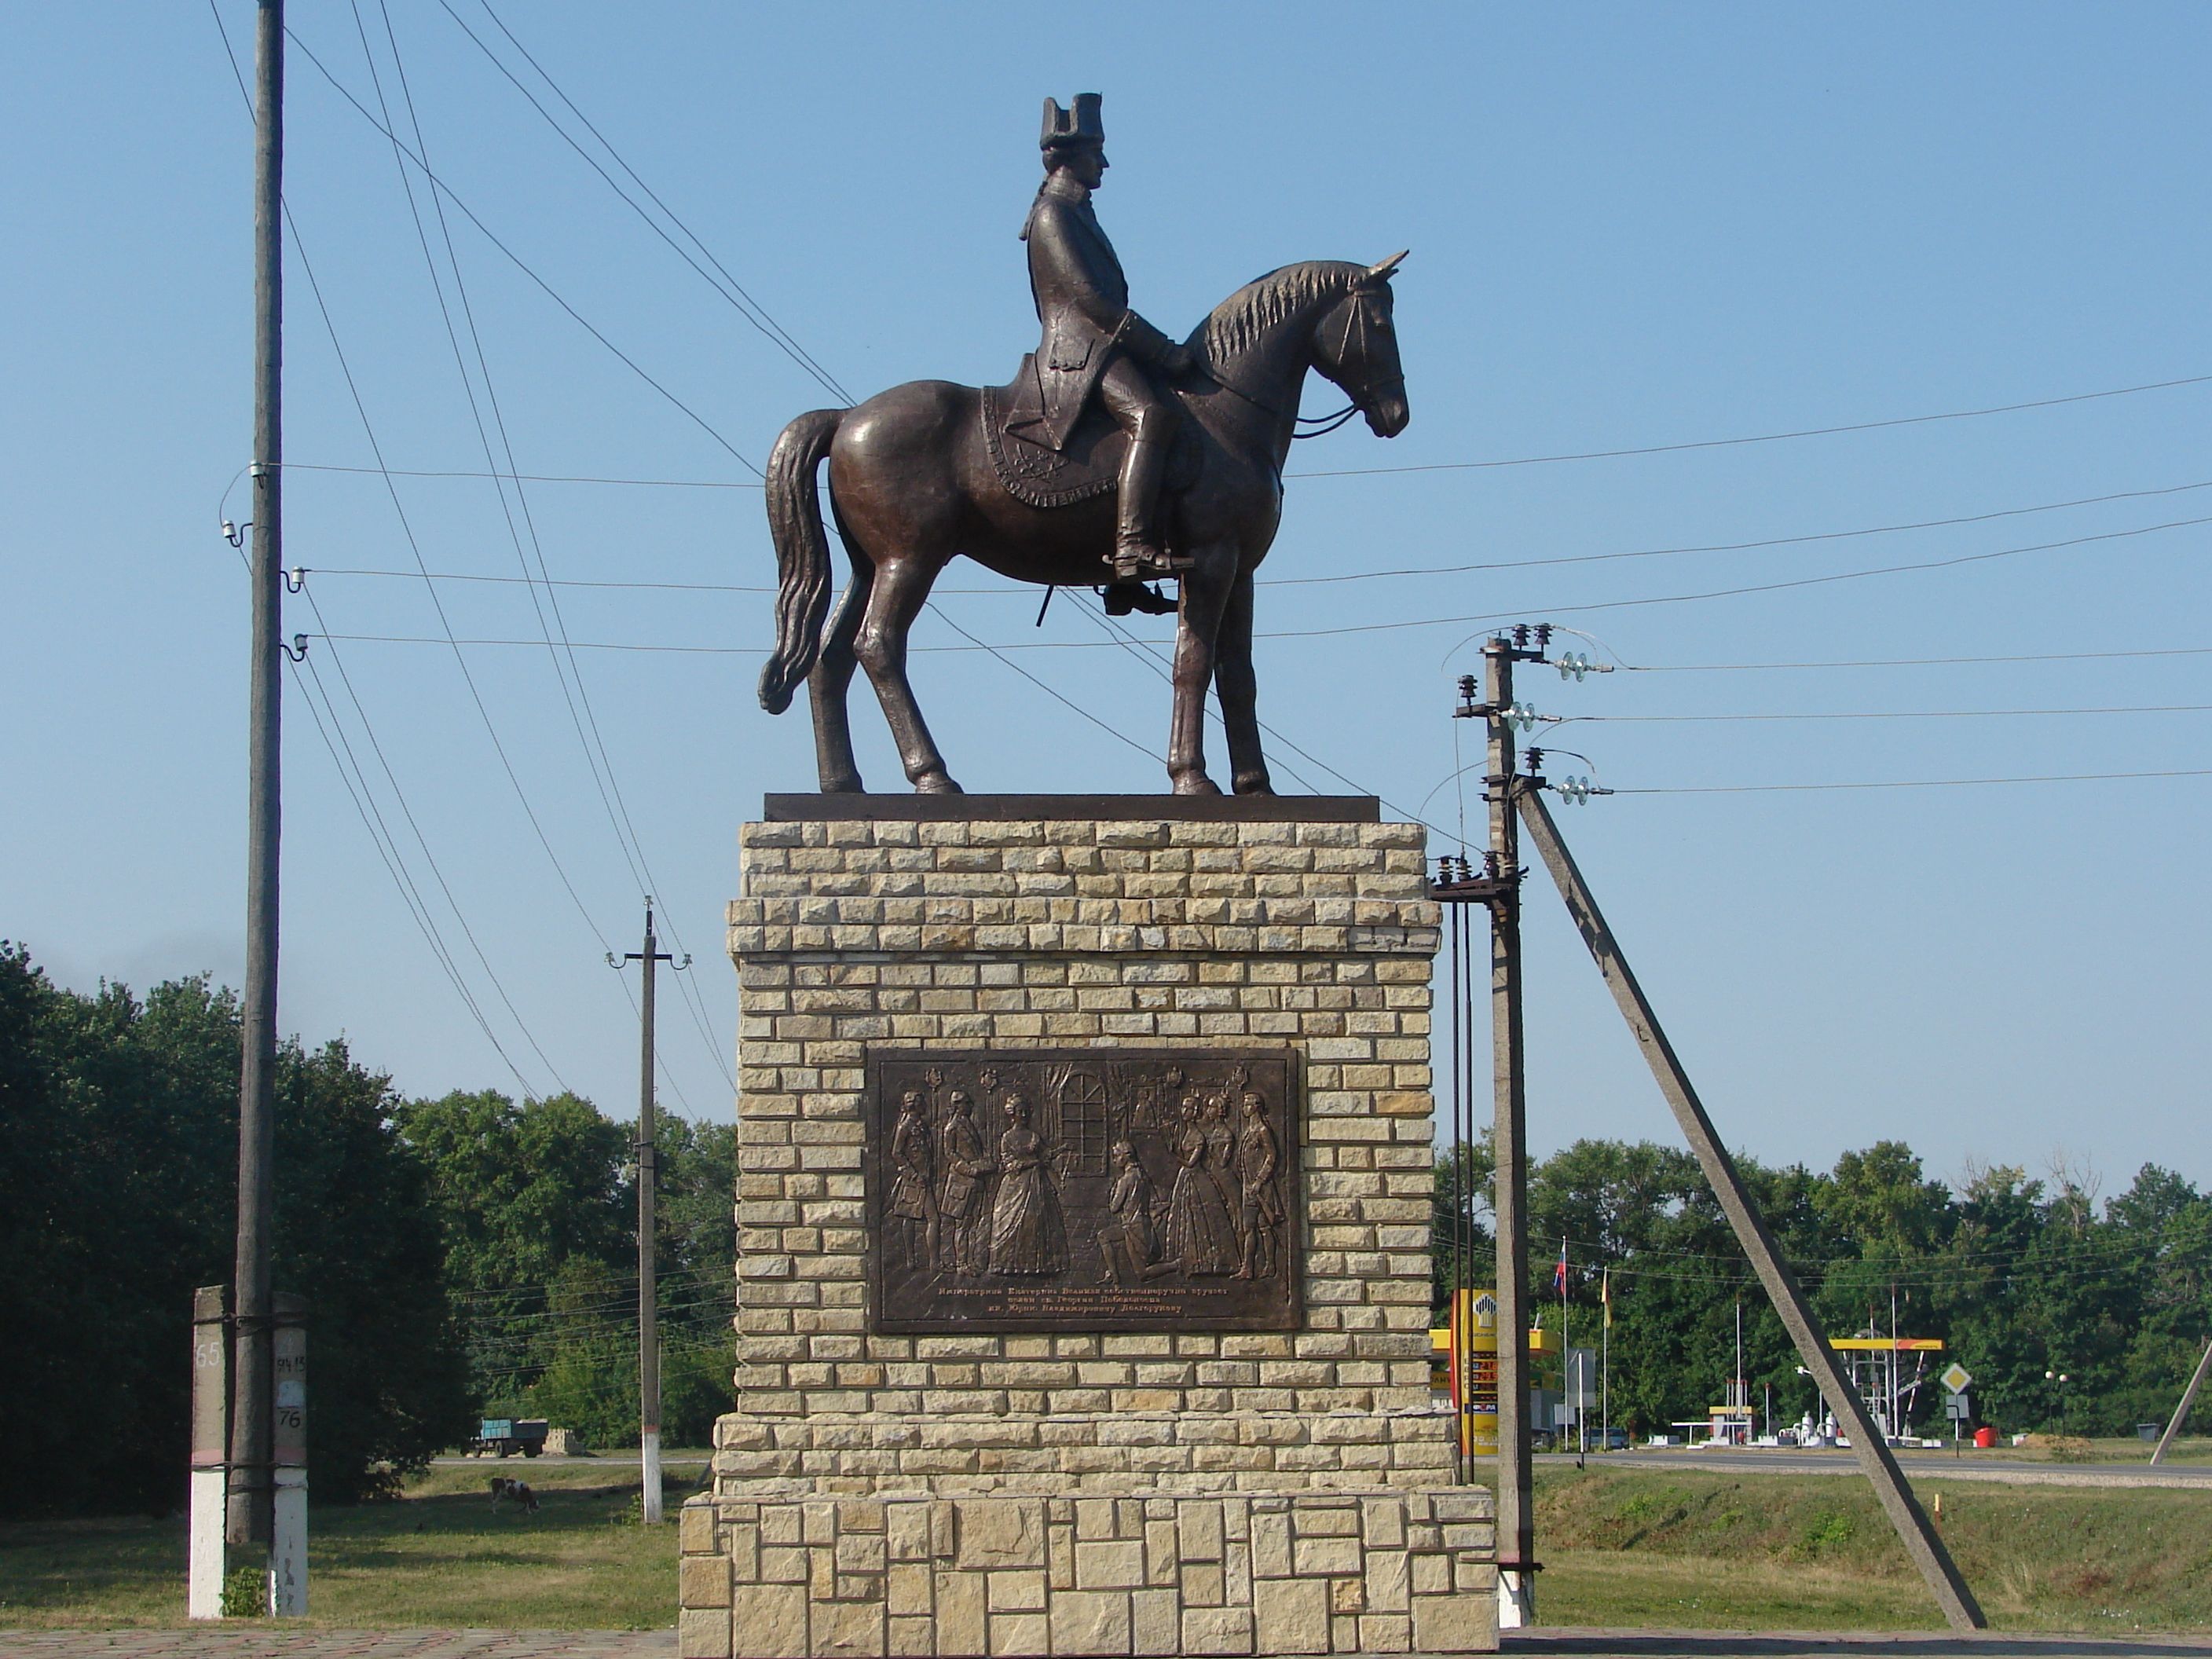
(1082,301)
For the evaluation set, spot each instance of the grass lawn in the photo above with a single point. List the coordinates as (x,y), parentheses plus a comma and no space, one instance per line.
(441,1555)
(1720,1551)
(1623,1548)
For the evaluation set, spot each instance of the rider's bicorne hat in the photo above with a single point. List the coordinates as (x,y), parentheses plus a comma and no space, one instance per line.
(1082,126)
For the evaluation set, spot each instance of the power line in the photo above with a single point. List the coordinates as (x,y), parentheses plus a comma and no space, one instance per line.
(601,764)
(531,477)
(522,265)
(468,388)
(1151,656)
(1893,715)
(1743,547)
(1352,575)
(1145,654)
(1764,437)
(1114,732)
(1494,617)
(387,850)
(362,410)
(744,303)
(1914,662)
(1912,783)
(1549,461)
(364,799)
(1773,587)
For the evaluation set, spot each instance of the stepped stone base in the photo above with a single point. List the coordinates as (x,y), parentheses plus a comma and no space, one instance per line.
(1340,1571)
(1172,1491)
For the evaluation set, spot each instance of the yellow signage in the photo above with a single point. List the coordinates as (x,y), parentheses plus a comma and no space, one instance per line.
(1887,1344)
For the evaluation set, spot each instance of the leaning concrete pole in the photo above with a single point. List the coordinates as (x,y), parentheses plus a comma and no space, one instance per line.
(1904,1510)
(2181,1412)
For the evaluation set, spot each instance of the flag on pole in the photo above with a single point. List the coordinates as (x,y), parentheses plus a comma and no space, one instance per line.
(1559,1275)
(1604,1295)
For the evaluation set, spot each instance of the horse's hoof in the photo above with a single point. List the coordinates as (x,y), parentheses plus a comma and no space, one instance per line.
(849,783)
(1196,783)
(936,783)
(1253,783)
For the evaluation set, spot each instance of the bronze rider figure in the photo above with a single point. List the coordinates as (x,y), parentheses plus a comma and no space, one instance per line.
(1092,340)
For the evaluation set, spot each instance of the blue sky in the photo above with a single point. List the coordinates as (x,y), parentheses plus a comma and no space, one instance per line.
(1629,229)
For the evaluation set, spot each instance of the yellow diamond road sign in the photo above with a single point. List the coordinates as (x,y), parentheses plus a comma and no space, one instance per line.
(1956,1377)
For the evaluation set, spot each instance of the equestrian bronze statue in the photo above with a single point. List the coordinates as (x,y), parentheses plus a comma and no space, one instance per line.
(1115,456)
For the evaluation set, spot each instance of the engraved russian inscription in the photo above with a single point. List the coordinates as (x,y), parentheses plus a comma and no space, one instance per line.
(1083,1189)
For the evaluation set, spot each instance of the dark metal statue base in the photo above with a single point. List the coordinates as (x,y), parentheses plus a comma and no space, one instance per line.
(1184,809)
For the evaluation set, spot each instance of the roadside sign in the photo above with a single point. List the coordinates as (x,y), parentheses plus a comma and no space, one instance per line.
(1582,1377)
(1956,1377)
(1958,1407)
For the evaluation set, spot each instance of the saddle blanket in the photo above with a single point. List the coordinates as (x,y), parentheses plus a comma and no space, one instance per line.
(1036,473)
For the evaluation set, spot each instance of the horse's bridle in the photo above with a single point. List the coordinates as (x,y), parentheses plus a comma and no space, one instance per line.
(1322,425)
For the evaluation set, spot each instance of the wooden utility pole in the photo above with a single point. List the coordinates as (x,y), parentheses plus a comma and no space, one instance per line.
(648,1177)
(1516,1519)
(247,1517)
(1913,1529)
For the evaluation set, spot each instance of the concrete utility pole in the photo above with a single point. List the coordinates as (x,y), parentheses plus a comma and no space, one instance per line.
(1516,1517)
(247,1517)
(648,1176)
(1905,1515)
(2181,1412)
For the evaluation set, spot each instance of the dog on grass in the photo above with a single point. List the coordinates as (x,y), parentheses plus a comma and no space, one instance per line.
(516,1491)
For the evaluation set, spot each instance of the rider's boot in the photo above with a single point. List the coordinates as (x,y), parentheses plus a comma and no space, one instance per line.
(1138,553)
(1123,598)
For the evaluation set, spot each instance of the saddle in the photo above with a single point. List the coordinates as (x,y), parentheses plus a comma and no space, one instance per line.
(1089,466)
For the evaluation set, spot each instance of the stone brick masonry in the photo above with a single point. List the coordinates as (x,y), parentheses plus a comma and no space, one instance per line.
(1204,1492)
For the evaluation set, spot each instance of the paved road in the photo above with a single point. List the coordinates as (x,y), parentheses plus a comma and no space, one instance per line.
(611,1460)
(1545,1644)
(1917,1465)
(280,1644)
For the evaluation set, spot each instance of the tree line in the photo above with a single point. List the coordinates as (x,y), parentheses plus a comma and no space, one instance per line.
(2019,1276)
(472,1254)
(463,1257)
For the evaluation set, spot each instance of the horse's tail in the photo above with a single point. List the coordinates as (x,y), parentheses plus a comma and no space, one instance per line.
(802,554)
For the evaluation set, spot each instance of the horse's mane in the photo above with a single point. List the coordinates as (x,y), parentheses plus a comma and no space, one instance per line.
(1237,323)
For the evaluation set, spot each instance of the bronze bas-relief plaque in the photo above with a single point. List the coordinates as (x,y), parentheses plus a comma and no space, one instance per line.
(1083,1189)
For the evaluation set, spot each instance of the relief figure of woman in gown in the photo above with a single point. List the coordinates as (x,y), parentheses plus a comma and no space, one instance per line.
(1029,1238)
(1202,1237)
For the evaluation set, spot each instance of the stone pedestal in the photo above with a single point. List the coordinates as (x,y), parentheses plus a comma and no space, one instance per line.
(1160,1491)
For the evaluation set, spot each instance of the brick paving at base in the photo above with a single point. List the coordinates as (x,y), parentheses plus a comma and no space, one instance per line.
(205,1642)
(1557,1641)
(1548,1643)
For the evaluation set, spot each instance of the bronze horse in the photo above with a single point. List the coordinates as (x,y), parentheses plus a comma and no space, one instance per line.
(912,485)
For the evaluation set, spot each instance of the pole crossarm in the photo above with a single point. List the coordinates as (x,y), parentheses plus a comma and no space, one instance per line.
(1913,1529)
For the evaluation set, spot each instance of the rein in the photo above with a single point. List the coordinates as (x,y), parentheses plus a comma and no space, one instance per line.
(1320,425)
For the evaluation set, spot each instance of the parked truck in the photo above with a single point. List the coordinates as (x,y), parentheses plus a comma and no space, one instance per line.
(504,1436)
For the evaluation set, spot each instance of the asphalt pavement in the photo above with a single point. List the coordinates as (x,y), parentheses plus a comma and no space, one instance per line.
(1546,1643)
(1917,1465)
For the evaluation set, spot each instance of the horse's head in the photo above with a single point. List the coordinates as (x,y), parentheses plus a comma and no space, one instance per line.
(1355,345)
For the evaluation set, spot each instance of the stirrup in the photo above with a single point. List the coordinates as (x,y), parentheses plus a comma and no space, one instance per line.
(1141,563)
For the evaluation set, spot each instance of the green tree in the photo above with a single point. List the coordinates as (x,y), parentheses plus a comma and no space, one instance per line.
(117,1171)
(539,1202)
